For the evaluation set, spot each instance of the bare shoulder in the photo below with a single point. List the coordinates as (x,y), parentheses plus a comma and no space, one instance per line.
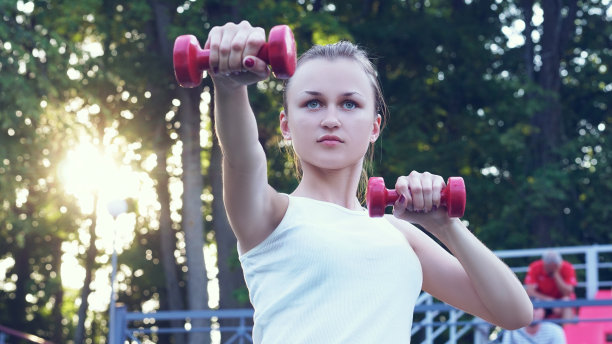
(417,239)
(433,257)
(253,226)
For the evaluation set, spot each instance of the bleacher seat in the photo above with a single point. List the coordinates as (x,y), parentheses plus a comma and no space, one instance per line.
(599,332)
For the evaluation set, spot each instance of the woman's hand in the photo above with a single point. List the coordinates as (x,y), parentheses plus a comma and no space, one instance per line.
(419,200)
(233,57)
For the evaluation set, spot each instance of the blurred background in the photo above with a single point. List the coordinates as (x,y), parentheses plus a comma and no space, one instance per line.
(514,96)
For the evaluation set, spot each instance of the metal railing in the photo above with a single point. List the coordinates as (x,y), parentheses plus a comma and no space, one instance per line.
(589,261)
(434,322)
(440,323)
(239,333)
(593,265)
(6,333)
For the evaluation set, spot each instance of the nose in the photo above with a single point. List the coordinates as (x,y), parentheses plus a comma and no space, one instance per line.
(330,119)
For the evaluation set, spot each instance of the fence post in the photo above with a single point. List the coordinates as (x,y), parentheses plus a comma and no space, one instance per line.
(240,331)
(429,316)
(592,272)
(481,332)
(119,324)
(452,336)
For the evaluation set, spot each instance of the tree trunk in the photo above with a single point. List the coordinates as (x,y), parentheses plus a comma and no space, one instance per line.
(58,295)
(527,6)
(168,240)
(22,270)
(90,260)
(230,273)
(548,121)
(193,224)
(230,276)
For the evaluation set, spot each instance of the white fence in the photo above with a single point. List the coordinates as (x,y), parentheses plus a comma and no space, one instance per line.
(447,325)
(434,322)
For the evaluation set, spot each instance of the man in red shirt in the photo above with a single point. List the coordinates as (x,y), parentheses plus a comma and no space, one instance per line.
(552,278)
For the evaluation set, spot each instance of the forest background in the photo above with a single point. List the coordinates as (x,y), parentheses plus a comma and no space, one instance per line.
(514,96)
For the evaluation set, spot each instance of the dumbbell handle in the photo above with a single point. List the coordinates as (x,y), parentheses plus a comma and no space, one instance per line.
(203,55)
(190,60)
(452,197)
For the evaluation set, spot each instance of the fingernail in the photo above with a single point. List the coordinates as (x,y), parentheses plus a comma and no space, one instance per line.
(249,62)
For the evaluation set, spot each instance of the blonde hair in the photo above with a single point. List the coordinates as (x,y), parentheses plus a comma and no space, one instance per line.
(345,49)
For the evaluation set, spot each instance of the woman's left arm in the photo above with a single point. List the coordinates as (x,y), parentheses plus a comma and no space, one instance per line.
(473,278)
(496,285)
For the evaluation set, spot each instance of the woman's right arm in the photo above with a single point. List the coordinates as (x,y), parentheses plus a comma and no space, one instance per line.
(253,207)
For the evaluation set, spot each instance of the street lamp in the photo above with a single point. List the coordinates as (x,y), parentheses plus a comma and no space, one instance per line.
(115,208)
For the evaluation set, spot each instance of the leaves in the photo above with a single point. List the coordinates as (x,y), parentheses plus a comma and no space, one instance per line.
(462,103)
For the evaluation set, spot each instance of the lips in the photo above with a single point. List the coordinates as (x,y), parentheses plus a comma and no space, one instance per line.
(329,138)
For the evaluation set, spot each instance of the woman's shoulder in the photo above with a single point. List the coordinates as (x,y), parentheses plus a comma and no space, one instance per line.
(409,230)
(420,242)
(258,231)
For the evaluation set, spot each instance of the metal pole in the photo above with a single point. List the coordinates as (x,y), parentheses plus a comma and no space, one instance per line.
(592,272)
(242,331)
(453,328)
(429,315)
(112,306)
(115,208)
(120,324)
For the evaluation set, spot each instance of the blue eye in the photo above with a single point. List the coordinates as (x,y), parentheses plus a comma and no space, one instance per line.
(349,105)
(313,104)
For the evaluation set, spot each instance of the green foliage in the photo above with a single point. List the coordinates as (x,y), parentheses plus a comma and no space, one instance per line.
(461,103)
(35,214)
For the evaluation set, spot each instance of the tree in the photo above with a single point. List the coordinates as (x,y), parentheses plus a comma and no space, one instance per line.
(36,216)
(512,95)
(548,134)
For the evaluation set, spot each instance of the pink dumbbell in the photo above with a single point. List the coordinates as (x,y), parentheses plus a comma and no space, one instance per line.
(190,60)
(378,197)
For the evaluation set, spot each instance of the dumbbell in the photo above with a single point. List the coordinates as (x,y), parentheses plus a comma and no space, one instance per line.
(378,197)
(190,60)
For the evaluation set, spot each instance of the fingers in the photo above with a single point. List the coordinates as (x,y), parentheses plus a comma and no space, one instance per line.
(250,61)
(213,42)
(420,192)
(438,185)
(255,40)
(230,44)
(256,66)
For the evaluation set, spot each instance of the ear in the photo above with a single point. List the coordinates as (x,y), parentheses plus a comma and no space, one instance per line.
(375,128)
(284,125)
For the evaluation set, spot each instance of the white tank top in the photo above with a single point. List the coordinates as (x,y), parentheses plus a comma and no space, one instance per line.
(328,274)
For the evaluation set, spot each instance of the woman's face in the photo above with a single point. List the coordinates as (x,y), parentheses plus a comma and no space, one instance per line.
(331,115)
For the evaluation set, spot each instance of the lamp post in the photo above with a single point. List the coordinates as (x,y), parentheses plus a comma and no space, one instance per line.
(115,208)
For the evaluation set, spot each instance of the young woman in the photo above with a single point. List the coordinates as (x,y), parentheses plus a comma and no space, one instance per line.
(318,268)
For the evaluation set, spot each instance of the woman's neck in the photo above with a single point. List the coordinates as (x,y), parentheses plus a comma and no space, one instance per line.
(334,186)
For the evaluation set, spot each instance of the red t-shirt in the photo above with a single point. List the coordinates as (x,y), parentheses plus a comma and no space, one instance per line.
(545,283)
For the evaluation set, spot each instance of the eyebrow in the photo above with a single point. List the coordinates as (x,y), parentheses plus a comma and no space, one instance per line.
(345,94)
